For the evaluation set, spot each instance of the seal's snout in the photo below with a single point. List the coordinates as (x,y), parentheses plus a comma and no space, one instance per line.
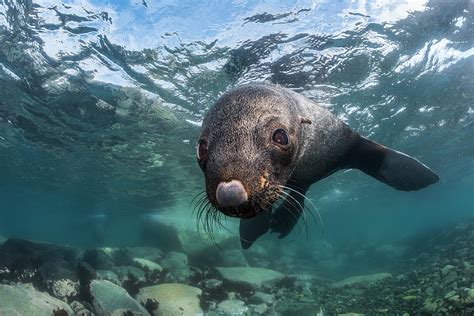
(231,194)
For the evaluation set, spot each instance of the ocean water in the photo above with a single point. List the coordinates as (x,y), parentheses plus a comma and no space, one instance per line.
(101,104)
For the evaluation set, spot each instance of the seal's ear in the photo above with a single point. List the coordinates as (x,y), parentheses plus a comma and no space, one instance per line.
(390,166)
(305,120)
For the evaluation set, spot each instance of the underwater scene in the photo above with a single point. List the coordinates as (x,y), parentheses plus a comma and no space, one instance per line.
(226,158)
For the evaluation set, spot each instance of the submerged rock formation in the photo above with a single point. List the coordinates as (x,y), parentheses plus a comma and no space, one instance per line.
(23,299)
(434,275)
(172,299)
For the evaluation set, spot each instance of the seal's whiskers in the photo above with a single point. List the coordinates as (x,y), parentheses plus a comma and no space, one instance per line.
(320,219)
(298,207)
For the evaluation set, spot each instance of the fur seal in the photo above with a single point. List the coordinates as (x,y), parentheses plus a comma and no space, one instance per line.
(262,142)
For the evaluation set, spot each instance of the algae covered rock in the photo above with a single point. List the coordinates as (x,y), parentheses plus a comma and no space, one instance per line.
(254,278)
(111,299)
(172,299)
(23,299)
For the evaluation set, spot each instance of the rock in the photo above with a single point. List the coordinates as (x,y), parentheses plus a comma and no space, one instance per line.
(430,306)
(259,309)
(14,251)
(2,239)
(108,250)
(123,272)
(23,299)
(210,284)
(450,277)
(254,278)
(174,231)
(173,299)
(108,276)
(173,259)
(149,253)
(470,294)
(232,308)
(79,309)
(362,280)
(99,259)
(446,269)
(410,298)
(259,298)
(150,265)
(232,258)
(288,308)
(53,266)
(449,294)
(213,290)
(64,288)
(177,265)
(110,299)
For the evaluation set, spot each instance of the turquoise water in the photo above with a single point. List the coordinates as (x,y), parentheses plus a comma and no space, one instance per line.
(101,104)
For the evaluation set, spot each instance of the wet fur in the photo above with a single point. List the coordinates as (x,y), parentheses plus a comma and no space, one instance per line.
(238,131)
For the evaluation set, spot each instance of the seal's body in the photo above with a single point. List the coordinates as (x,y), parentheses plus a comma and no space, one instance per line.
(260,139)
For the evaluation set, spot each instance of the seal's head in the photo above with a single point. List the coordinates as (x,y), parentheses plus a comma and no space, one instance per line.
(248,148)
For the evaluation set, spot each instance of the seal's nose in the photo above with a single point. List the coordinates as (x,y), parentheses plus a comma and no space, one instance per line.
(231,194)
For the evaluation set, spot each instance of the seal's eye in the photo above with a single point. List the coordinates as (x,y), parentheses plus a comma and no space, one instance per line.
(280,137)
(201,149)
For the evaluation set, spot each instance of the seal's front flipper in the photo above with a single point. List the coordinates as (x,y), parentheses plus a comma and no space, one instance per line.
(390,166)
(286,216)
(251,229)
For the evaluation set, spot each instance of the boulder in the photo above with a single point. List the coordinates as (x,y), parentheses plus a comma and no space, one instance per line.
(259,298)
(232,308)
(14,251)
(172,299)
(173,259)
(79,309)
(232,258)
(124,271)
(107,275)
(286,307)
(254,278)
(174,231)
(63,288)
(147,264)
(23,299)
(362,280)
(54,266)
(110,299)
(149,253)
(177,265)
(99,259)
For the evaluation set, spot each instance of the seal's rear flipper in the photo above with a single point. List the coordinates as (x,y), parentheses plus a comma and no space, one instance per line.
(390,166)
(252,228)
